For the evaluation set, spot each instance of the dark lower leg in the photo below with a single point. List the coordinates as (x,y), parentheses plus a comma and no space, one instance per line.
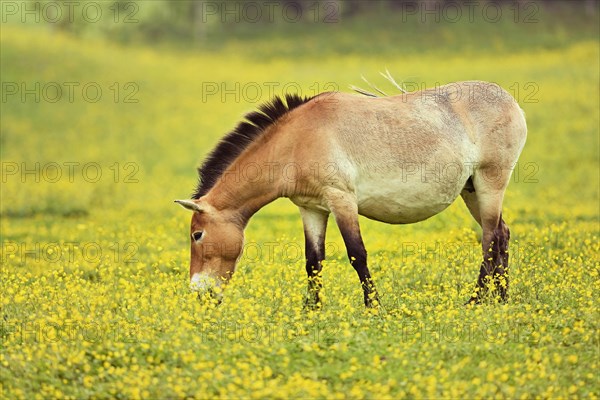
(358,258)
(313,297)
(494,267)
(345,210)
(370,293)
(314,256)
(315,225)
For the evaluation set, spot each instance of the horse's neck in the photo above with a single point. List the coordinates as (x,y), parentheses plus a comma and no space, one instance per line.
(252,181)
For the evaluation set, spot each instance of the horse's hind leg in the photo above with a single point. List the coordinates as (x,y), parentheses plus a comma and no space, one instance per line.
(494,242)
(315,225)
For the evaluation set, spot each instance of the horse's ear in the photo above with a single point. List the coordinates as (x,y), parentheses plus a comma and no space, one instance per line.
(189,204)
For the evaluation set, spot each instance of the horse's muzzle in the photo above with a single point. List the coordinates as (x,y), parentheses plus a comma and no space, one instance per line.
(207,286)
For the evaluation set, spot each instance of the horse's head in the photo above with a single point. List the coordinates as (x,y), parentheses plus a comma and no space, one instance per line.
(216,244)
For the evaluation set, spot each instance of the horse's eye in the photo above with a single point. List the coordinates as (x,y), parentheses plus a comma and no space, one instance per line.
(197,235)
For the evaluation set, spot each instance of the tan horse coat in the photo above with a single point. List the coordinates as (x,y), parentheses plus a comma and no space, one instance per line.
(397,159)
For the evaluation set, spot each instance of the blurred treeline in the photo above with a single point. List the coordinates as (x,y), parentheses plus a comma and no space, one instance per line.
(200,21)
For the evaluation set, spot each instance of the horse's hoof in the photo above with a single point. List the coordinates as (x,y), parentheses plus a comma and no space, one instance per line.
(312,305)
(372,302)
(473,301)
(478,300)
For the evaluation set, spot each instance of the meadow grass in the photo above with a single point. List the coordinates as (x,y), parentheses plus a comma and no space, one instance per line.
(95,298)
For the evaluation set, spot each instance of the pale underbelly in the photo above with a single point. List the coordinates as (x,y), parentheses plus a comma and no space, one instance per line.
(395,213)
(397,202)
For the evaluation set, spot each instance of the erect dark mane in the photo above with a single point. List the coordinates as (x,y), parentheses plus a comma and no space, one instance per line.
(235,142)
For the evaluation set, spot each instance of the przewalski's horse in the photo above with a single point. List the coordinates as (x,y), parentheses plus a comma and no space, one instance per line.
(352,155)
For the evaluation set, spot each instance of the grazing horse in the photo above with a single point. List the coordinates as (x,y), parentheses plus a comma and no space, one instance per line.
(396,159)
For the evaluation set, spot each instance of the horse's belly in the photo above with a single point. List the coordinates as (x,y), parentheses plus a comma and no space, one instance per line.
(395,201)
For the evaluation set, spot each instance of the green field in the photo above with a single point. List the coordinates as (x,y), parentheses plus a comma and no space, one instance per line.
(94,279)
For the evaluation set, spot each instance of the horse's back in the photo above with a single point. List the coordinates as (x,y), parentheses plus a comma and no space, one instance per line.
(470,122)
(467,111)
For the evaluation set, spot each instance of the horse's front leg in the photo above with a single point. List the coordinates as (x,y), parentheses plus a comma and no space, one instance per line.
(345,210)
(315,225)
